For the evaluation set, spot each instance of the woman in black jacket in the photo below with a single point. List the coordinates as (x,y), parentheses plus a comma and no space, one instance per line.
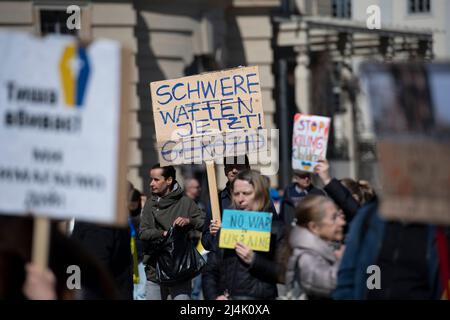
(243,274)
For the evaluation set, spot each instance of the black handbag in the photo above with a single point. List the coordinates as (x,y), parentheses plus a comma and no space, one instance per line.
(178,260)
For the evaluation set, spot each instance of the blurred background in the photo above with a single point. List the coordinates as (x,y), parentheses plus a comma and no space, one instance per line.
(308,53)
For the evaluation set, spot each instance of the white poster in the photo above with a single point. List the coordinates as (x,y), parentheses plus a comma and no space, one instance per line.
(309,141)
(59,127)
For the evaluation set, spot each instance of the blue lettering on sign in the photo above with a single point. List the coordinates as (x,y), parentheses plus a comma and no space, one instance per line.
(192,109)
(210,108)
(238,81)
(248,116)
(233,122)
(174,91)
(199,127)
(159,94)
(171,151)
(209,89)
(224,107)
(251,84)
(196,89)
(188,133)
(165,115)
(247,220)
(243,104)
(229,93)
(182,112)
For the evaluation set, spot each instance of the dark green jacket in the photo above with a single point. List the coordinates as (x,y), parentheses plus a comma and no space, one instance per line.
(159,213)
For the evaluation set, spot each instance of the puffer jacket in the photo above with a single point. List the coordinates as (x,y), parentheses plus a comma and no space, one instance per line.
(317,265)
(226,272)
(158,216)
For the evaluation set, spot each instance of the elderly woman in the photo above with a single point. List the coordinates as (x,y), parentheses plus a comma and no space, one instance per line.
(243,274)
(314,261)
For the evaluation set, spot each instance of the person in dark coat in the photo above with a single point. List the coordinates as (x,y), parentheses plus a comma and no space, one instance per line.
(407,255)
(16,269)
(348,194)
(233,166)
(111,246)
(243,274)
(294,193)
(168,207)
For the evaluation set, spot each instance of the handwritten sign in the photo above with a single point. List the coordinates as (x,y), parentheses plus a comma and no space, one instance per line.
(249,227)
(58,159)
(198,115)
(309,142)
(211,147)
(405,169)
(411,119)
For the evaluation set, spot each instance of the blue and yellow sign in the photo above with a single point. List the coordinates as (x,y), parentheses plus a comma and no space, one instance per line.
(249,227)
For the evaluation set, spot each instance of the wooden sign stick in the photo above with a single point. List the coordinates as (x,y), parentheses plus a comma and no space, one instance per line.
(41,237)
(213,194)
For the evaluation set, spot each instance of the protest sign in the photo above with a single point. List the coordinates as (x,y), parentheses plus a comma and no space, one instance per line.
(411,118)
(309,141)
(203,118)
(206,117)
(62,128)
(249,227)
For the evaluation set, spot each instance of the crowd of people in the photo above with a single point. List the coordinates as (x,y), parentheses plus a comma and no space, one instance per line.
(323,241)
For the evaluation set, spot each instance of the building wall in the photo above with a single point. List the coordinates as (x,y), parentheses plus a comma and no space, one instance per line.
(248,43)
(395,13)
(164,37)
(17,16)
(434,20)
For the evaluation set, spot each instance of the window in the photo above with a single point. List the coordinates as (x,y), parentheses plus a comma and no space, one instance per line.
(54,21)
(419,6)
(342,8)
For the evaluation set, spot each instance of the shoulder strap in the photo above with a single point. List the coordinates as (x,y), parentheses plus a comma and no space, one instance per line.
(292,269)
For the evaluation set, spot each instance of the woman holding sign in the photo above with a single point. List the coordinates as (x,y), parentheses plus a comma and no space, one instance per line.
(243,273)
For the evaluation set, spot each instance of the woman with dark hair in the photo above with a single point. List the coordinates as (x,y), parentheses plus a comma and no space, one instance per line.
(243,274)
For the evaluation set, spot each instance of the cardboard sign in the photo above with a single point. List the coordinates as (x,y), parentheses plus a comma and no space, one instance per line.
(411,118)
(249,227)
(416,181)
(213,147)
(198,118)
(309,141)
(62,128)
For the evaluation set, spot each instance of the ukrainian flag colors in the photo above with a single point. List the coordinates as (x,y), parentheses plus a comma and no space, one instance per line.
(249,227)
(74,83)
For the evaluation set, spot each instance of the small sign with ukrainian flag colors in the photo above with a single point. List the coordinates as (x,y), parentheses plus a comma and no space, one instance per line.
(309,141)
(249,227)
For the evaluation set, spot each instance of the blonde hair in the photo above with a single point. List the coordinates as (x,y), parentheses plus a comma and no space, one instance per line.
(311,209)
(260,185)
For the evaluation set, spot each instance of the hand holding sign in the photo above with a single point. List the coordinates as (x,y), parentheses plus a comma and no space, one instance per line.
(322,170)
(214,227)
(244,252)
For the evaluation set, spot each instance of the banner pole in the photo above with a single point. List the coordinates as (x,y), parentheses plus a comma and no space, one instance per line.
(41,239)
(213,194)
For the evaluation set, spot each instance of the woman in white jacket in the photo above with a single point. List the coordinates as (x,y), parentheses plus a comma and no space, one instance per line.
(314,260)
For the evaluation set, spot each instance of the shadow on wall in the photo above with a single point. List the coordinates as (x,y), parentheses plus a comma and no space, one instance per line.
(148,71)
(234,54)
